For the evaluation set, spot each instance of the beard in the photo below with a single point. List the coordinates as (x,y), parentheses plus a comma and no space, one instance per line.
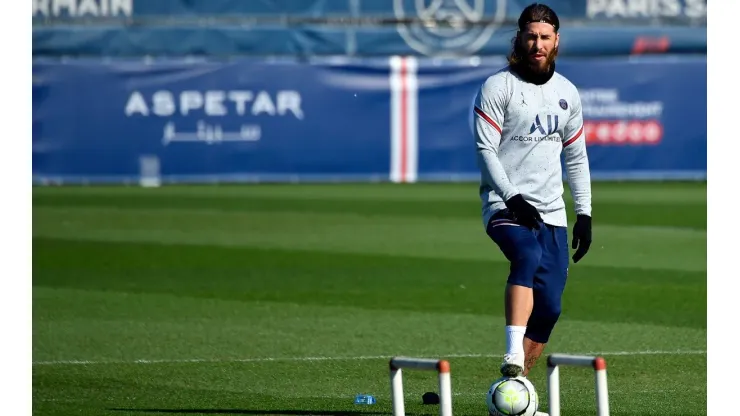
(542,66)
(527,57)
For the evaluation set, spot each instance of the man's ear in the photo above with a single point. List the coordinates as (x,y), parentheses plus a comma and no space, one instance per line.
(557,39)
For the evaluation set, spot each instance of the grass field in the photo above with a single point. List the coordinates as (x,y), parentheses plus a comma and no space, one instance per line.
(290,299)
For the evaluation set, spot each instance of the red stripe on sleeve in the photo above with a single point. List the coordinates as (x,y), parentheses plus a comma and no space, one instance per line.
(572,139)
(488,119)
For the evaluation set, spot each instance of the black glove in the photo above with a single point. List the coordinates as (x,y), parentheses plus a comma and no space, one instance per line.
(523,212)
(581,236)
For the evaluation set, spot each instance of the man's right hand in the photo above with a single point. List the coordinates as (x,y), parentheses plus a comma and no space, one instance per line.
(524,213)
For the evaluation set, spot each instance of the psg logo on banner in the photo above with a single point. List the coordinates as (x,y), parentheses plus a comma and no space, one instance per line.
(449,27)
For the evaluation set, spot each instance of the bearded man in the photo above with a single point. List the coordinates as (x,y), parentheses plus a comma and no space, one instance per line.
(526,116)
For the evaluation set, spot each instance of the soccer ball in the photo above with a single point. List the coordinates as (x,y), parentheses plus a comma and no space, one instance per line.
(512,396)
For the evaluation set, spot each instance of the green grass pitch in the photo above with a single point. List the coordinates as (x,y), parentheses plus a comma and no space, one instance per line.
(290,299)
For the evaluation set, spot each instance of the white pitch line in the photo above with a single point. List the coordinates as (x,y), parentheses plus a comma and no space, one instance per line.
(357,358)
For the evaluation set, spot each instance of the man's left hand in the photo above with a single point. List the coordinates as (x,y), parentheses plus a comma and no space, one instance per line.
(581,237)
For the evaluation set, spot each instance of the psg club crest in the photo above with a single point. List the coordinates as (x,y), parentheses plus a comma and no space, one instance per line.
(449,27)
(563,104)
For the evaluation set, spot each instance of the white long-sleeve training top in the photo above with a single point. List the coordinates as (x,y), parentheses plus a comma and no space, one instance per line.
(521,129)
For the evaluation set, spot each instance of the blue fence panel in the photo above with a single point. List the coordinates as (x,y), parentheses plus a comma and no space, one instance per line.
(238,27)
(644,118)
(210,120)
(320,119)
(309,40)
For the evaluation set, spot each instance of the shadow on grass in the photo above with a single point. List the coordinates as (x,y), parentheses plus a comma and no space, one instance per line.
(260,412)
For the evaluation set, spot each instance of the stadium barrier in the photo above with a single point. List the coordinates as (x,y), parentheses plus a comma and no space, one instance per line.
(400,118)
(356,27)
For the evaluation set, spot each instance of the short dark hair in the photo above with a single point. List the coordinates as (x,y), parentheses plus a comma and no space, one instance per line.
(537,12)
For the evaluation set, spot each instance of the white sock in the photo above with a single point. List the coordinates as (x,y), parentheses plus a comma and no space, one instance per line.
(515,339)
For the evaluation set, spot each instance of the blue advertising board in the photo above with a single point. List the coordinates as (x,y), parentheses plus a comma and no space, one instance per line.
(643,118)
(209,119)
(398,118)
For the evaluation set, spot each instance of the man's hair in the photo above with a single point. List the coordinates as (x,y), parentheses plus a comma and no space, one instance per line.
(533,13)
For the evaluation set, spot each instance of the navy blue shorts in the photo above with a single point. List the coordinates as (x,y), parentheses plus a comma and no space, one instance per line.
(539,259)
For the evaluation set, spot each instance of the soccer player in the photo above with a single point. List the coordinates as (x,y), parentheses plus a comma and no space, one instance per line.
(526,116)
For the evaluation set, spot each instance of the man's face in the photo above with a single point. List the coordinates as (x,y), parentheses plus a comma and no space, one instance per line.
(539,41)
